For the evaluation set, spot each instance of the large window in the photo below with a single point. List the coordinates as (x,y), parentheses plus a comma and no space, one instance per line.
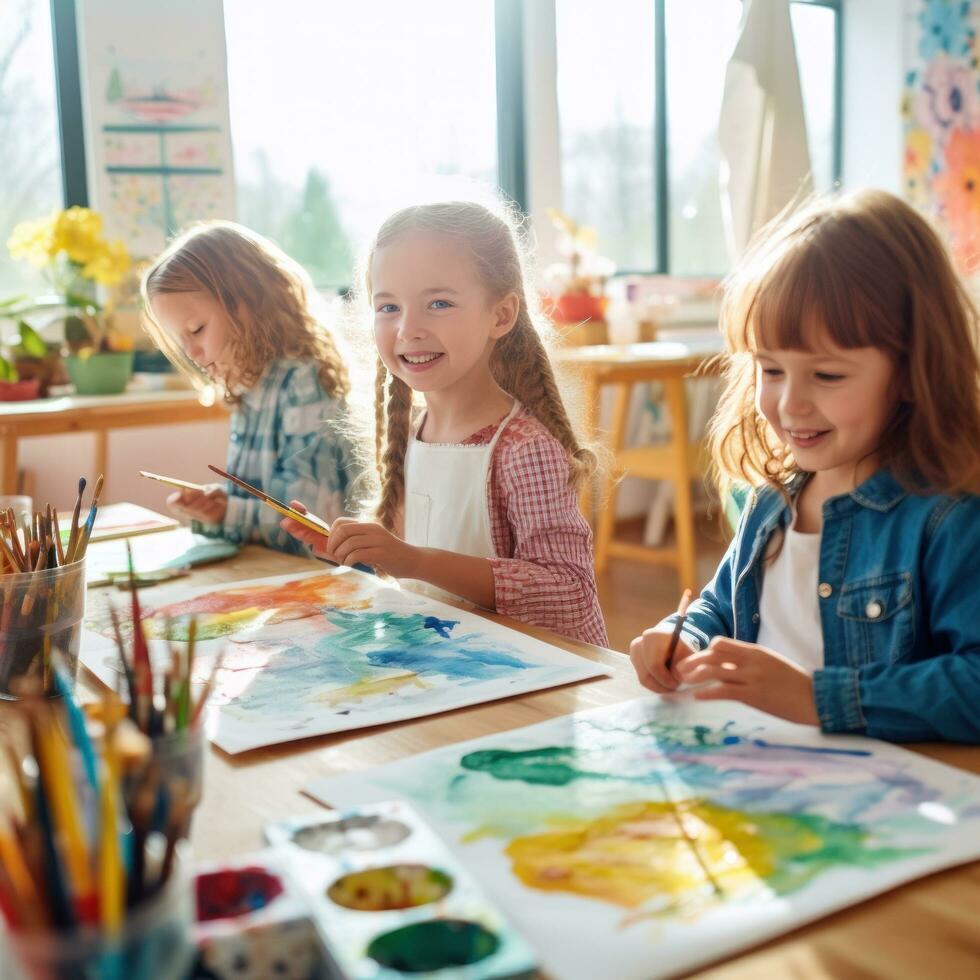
(341,111)
(610,106)
(30,154)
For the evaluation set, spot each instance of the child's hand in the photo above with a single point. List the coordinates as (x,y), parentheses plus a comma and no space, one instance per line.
(754,675)
(313,539)
(649,655)
(207,505)
(368,543)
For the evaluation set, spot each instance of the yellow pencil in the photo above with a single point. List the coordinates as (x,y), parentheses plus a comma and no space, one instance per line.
(59,788)
(112,892)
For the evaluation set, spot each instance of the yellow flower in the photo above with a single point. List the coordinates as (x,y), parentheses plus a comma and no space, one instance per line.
(79,234)
(109,264)
(34,240)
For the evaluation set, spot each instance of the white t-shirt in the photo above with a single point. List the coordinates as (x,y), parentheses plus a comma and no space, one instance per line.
(789,608)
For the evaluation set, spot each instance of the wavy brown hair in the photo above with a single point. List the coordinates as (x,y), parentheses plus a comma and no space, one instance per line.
(869,271)
(265,295)
(519,361)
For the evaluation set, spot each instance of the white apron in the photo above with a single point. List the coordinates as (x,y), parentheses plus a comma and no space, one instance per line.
(446,499)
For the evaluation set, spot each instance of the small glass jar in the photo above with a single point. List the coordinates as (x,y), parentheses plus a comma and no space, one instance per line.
(153,943)
(40,612)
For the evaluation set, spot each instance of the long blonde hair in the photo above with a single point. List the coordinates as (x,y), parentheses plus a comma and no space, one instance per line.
(519,362)
(264,293)
(870,271)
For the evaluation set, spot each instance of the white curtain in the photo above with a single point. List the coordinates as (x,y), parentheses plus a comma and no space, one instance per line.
(765,160)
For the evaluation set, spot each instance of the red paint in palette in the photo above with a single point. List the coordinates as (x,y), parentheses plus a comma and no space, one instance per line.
(228,894)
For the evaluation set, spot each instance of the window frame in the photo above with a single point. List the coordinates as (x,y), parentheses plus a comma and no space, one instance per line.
(512,144)
(68,88)
(661,161)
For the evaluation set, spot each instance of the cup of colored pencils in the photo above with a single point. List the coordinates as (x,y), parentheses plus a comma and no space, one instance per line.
(88,887)
(42,592)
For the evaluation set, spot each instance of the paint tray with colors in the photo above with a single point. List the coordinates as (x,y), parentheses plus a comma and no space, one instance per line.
(390,901)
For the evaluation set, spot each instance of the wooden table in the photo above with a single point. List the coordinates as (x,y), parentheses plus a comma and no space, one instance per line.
(678,460)
(98,414)
(924,929)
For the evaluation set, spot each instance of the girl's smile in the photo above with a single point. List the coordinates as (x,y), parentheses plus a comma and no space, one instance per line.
(419,361)
(830,405)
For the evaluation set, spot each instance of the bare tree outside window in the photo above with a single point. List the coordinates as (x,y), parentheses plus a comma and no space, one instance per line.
(30,156)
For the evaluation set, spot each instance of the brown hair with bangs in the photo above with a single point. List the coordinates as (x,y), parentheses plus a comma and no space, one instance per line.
(864,270)
(265,295)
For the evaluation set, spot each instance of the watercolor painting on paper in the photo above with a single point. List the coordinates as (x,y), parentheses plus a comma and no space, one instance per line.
(658,835)
(334,651)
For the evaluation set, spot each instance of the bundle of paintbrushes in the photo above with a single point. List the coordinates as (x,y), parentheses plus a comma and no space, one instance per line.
(162,705)
(42,592)
(87,883)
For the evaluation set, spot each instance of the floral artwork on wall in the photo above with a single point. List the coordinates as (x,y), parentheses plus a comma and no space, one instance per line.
(941,110)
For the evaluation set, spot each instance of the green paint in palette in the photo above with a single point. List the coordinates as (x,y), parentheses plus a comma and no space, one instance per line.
(433,945)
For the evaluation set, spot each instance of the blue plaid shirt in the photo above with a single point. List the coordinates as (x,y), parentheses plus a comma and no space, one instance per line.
(284,441)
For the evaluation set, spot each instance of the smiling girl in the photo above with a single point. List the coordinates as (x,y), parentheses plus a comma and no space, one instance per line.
(850,596)
(225,304)
(478,491)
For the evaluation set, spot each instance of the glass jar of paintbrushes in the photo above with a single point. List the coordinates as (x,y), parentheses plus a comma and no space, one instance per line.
(87,888)
(160,699)
(42,594)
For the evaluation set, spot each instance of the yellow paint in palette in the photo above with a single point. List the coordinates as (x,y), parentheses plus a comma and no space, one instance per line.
(426,912)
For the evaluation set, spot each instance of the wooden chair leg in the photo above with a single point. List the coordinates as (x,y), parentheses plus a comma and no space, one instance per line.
(617,439)
(682,476)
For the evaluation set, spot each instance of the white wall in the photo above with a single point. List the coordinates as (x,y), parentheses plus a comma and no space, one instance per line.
(180,450)
(874,71)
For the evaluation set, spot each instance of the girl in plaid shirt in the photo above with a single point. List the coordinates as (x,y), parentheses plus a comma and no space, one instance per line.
(225,303)
(478,491)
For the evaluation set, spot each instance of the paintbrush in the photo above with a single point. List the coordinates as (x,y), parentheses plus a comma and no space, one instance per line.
(678,626)
(173,481)
(73,534)
(90,520)
(307,520)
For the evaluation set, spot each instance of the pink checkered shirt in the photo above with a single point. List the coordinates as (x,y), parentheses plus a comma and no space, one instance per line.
(544,574)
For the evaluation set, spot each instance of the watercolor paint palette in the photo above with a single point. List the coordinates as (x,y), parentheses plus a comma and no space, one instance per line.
(251,922)
(390,901)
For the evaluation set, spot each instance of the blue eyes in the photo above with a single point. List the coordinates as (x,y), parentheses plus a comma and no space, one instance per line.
(436,304)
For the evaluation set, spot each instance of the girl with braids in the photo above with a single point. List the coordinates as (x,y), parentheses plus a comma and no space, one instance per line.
(227,306)
(850,596)
(478,491)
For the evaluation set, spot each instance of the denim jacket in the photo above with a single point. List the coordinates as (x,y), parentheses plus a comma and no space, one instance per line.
(899,592)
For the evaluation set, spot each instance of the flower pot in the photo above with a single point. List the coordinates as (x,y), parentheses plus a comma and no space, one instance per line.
(575,307)
(101,374)
(20,391)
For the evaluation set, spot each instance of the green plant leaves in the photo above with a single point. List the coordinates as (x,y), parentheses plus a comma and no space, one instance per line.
(30,343)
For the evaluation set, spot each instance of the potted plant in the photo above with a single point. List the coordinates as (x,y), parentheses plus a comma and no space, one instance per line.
(12,387)
(577,285)
(75,258)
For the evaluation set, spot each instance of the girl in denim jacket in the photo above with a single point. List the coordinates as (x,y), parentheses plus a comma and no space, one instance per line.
(850,596)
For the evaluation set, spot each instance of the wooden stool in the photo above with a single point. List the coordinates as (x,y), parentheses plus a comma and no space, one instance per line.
(677,460)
